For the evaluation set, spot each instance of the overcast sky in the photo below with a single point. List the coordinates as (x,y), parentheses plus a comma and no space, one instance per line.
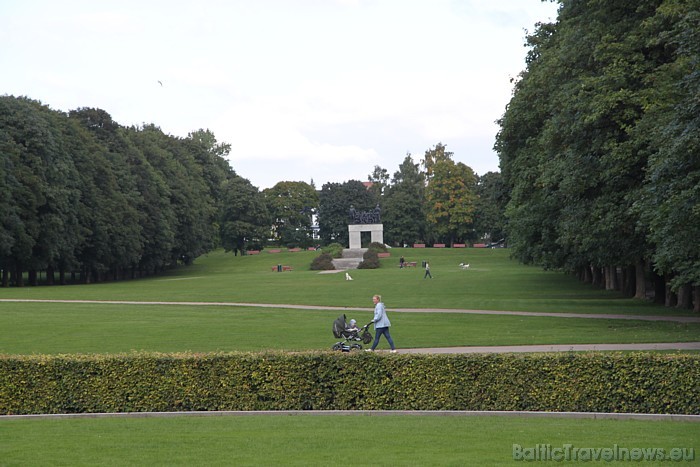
(302,90)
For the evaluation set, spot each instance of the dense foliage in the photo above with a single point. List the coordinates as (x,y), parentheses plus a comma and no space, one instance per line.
(615,383)
(87,199)
(600,148)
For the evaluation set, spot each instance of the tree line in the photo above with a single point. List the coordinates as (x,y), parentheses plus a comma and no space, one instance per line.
(84,199)
(600,147)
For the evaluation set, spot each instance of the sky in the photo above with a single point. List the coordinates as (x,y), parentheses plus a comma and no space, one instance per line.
(302,90)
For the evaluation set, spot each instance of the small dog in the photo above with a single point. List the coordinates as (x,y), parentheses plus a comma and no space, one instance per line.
(347,277)
(464,266)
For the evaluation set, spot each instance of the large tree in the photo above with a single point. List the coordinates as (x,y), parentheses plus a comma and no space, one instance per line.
(245,221)
(403,205)
(335,201)
(291,206)
(450,202)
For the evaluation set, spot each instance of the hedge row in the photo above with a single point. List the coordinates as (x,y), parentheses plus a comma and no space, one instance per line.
(145,382)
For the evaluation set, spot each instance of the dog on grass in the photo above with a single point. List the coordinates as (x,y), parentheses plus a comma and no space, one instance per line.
(347,277)
(464,266)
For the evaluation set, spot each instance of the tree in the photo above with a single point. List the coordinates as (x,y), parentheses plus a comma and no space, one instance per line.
(379,179)
(403,212)
(489,212)
(335,201)
(450,199)
(245,221)
(291,206)
(434,155)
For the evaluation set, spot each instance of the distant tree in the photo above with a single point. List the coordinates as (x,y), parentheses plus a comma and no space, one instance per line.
(379,179)
(335,201)
(245,221)
(434,155)
(291,206)
(403,212)
(450,200)
(489,213)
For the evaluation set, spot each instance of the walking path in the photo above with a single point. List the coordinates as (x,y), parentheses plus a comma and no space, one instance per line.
(444,350)
(677,319)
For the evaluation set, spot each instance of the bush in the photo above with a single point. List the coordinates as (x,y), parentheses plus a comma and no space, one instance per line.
(152,382)
(334,249)
(377,247)
(370,260)
(323,262)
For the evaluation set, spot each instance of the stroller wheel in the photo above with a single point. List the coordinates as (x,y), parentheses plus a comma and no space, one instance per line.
(355,347)
(337,346)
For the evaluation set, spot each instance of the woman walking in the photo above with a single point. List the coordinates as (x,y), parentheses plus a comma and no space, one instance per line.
(381,324)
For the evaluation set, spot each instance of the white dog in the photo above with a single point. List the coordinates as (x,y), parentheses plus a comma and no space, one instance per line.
(464,266)
(347,277)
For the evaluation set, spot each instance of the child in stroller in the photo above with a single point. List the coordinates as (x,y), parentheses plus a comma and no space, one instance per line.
(350,334)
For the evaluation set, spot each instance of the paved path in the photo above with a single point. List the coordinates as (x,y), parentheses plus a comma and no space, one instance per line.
(558,348)
(677,319)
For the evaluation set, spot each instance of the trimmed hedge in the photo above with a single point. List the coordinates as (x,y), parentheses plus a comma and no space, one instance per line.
(145,382)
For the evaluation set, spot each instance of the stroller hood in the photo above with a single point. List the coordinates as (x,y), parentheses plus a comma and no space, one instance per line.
(339,327)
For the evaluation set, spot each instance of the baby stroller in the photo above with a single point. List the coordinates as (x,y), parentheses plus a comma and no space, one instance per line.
(350,338)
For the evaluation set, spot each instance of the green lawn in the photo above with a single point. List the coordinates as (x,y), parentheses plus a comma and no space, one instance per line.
(323,439)
(493,282)
(53,328)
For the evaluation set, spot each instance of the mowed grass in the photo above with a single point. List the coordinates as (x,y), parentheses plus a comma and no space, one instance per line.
(493,282)
(59,328)
(322,439)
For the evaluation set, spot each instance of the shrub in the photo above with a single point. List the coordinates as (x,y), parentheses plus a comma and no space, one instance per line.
(153,382)
(377,247)
(323,262)
(370,260)
(334,249)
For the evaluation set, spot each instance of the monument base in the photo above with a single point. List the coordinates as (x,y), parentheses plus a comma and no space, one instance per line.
(355,230)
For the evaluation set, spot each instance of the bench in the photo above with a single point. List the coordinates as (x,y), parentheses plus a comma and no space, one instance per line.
(410,264)
(439,245)
(294,250)
(459,245)
(274,251)
(383,255)
(253,252)
(284,268)
(480,245)
(419,245)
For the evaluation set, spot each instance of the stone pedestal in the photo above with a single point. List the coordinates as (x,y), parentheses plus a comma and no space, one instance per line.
(377,231)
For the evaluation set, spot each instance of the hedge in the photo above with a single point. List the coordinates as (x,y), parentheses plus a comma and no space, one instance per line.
(151,382)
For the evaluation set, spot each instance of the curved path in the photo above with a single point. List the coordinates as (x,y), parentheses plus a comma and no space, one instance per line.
(475,349)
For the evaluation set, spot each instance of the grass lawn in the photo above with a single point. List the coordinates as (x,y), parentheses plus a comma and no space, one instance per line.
(53,328)
(322,439)
(493,282)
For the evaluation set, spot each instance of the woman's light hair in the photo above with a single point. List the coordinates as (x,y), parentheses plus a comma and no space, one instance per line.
(379,297)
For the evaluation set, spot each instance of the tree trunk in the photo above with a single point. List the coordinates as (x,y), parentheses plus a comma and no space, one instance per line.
(19,277)
(640,281)
(5,278)
(628,284)
(597,276)
(587,276)
(685,297)
(50,275)
(659,288)
(696,299)
(32,277)
(671,298)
